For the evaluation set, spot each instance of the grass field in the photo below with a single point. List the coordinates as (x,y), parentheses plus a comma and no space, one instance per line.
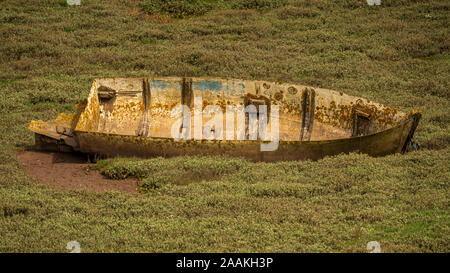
(397,54)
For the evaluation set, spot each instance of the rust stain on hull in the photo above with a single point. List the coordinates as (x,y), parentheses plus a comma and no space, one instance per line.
(132,117)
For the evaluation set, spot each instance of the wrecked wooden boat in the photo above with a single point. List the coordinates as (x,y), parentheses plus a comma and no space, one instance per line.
(134,117)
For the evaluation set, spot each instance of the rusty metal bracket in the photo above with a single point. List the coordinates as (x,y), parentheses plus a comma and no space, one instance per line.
(416,116)
(144,124)
(308,105)
(187,95)
(255,100)
(186,92)
(361,123)
(106,93)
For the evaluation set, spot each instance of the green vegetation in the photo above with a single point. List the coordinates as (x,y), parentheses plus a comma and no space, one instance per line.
(395,54)
(189,8)
(158,172)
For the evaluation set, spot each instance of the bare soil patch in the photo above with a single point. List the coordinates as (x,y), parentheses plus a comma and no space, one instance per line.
(69,171)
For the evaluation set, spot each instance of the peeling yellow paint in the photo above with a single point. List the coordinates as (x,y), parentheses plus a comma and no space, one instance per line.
(120,109)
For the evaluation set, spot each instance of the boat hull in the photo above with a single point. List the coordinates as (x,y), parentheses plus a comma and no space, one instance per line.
(383,143)
(134,117)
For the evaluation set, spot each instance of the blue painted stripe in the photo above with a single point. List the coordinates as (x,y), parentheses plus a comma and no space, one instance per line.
(215,86)
(158,84)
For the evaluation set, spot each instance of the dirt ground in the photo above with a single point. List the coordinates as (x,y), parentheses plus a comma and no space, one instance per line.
(69,171)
